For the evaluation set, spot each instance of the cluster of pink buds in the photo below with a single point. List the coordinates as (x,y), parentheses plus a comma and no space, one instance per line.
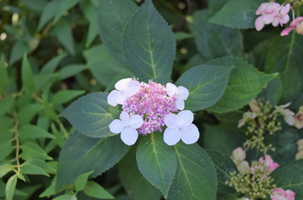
(272,13)
(148,107)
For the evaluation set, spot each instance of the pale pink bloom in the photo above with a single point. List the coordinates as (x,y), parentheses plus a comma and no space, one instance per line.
(127,126)
(281,17)
(297,23)
(271,165)
(299,118)
(152,104)
(281,194)
(267,12)
(299,155)
(246,116)
(180,127)
(288,114)
(181,93)
(238,155)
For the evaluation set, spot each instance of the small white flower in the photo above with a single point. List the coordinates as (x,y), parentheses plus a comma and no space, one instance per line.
(127,127)
(288,114)
(180,127)
(125,88)
(180,92)
(246,116)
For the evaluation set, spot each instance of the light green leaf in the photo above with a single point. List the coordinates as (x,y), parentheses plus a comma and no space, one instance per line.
(28,112)
(195,176)
(34,5)
(133,181)
(51,65)
(51,190)
(240,14)
(82,180)
(4,75)
(4,169)
(42,164)
(65,197)
(98,155)
(70,70)
(206,84)
(48,13)
(63,7)
(33,150)
(290,177)
(95,190)
(244,84)
(27,74)
(18,50)
(149,45)
(64,96)
(89,11)
(156,161)
(31,132)
(10,187)
(284,56)
(182,36)
(89,114)
(6,104)
(64,34)
(32,169)
(215,41)
(112,19)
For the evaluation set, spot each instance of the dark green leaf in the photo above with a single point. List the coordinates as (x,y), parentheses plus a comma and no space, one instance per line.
(31,132)
(28,112)
(195,176)
(133,181)
(33,150)
(113,16)
(64,96)
(63,7)
(284,56)
(216,5)
(35,5)
(244,84)
(156,161)
(10,187)
(215,41)
(49,12)
(32,169)
(51,190)
(70,70)
(4,169)
(51,65)
(42,164)
(149,45)
(82,154)
(89,11)
(27,75)
(206,84)
(6,146)
(18,51)
(272,92)
(89,114)
(240,14)
(4,75)
(182,36)
(95,190)
(82,180)
(65,197)
(6,104)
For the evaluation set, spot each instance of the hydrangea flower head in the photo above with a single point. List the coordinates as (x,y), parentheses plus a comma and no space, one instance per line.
(280,194)
(181,93)
(295,24)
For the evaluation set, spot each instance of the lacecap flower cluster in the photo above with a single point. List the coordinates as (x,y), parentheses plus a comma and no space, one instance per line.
(148,107)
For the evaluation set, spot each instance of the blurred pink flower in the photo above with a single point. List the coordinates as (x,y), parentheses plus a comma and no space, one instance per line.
(269,163)
(295,24)
(267,12)
(280,194)
(299,118)
(281,17)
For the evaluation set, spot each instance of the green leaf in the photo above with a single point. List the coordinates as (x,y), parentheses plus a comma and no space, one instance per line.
(51,190)
(133,181)
(4,75)
(290,177)
(195,176)
(149,45)
(18,50)
(156,161)
(93,189)
(206,84)
(82,154)
(64,96)
(4,169)
(35,5)
(33,150)
(215,41)
(240,14)
(70,70)
(284,56)
(89,114)
(90,14)
(6,104)
(28,112)
(31,132)
(112,19)
(10,187)
(216,5)
(51,65)
(244,84)
(27,75)
(82,180)
(65,197)
(64,34)
(223,164)
(272,92)
(63,7)
(6,146)
(42,164)
(182,36)
(32,169)
(48,13)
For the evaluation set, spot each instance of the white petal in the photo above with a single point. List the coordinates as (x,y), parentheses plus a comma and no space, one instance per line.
(290,120)
(132,88)
(171,120)
(172,136)
(116,126)
(183,92)
(180,104)
(171,89)
(112,97)
(124,116)
(121,98)
(129,136)
(190,134)
(135,121)
(121,85)
(186,117)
